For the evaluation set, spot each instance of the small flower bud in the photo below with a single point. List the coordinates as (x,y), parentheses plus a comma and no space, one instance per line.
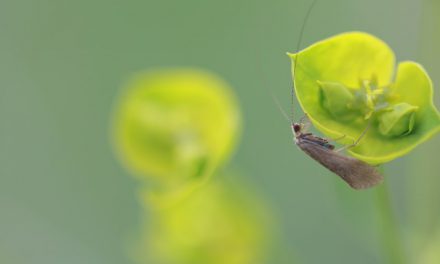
(398,120)
(337,99)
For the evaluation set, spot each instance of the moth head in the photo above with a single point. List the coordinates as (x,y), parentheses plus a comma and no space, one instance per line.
(296,128)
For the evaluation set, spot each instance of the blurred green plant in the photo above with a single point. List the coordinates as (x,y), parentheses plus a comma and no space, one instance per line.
(429,253)
(219,223)
(346,81)
(176,126)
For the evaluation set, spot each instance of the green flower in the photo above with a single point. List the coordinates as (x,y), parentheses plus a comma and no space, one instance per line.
(175,126)
(347,81)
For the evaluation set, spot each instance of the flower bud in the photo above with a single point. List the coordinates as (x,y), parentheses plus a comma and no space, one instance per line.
(337,99)
(398,120)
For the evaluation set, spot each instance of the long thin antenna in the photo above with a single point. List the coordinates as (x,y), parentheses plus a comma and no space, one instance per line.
(281,108)
(292,92)
(274,98)
(263,78)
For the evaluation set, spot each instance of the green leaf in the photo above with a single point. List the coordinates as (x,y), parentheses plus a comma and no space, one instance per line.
(175,125)
(364,65)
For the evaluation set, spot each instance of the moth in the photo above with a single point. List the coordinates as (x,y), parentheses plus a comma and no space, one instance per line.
(358,174)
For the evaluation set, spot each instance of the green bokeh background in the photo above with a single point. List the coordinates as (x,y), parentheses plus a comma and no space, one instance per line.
(64,197)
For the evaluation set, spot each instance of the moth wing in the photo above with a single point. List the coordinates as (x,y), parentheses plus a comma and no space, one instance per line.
(358,174)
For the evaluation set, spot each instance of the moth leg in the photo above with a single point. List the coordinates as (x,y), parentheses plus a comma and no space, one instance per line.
(305,122)
(304,118)
(336,139)
(357,140)
(348,146)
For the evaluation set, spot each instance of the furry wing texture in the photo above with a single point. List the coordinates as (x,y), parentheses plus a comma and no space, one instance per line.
(358,174)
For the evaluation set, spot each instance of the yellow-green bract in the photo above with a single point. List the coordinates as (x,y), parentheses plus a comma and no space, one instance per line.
(175,125)
(344,81)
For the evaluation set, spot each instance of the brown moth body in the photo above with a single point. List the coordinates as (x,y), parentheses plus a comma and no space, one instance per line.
(358,174)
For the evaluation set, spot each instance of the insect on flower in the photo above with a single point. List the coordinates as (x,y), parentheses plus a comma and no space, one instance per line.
(358,174)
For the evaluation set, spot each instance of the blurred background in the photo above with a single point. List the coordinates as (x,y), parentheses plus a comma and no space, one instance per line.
(66,198)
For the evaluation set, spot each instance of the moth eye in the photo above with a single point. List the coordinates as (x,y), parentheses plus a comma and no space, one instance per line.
(296,127)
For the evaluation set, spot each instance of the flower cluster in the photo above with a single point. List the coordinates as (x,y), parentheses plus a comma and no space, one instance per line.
(346,82)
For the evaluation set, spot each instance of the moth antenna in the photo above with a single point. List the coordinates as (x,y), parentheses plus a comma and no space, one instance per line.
(274,98)
(277,102)
(281,108)
(301,34)
(283,112)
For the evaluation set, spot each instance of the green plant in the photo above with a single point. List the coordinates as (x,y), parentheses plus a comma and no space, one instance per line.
(346,85)
(174,129)
(346,81)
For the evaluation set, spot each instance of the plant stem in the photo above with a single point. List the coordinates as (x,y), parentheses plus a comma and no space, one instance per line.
(388,227)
